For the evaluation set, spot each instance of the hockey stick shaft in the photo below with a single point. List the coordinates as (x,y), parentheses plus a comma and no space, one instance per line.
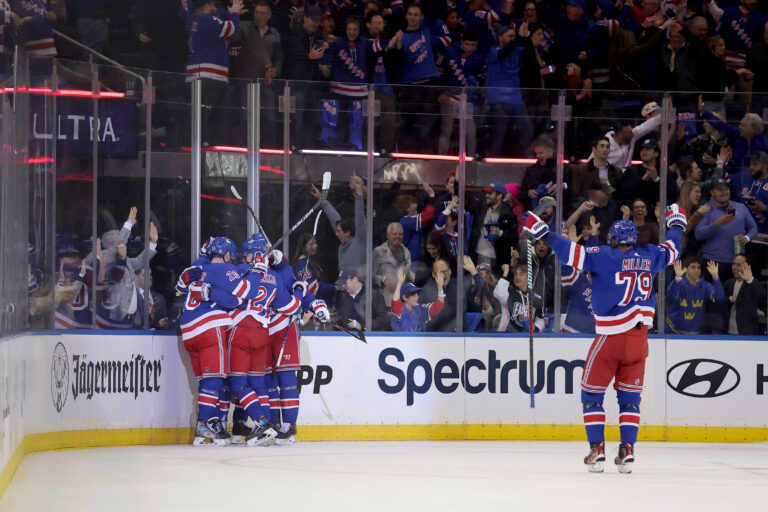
(531,368)
(318,204)
(250,210)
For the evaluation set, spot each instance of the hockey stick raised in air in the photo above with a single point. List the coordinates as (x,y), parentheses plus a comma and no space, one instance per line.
(531,368)
(318,204)
(253,214)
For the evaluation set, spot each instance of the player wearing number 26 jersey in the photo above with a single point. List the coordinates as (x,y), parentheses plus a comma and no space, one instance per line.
(623,301)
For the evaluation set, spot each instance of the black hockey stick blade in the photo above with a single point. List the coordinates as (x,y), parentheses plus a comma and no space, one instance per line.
(357,333)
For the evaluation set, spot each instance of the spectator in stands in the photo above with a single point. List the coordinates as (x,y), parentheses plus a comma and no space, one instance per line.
(622,142)
(541,173)
(597,171)
(751,188)
(418,44)
(118,306)
(728,226)
(460,66)
(75,279)
(642,180)
(34,23)
(714,77)
(387,258)
(379,69)
(259,57)
(680,69)
(577,38)
(407,314)
(496,230)
(514,299)
(352,303)
(314,275)
(445,321)
(413,223)
(480,291)
(690,201)
(537,74)
(303,51)
(345,63)
(503,100)
(747,138)
(688,294)
(156,309)
(741,27)
(704,148)
(447,224)
(351,234)
(583,129)
(743,296)
(435,248)
(209,61)
(647,232)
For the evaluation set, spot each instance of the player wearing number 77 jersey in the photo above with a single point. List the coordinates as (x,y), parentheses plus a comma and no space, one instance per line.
(623,301)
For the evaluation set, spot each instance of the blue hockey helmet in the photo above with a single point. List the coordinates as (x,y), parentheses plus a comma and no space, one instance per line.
(624,231)
(221,245)
(256,243)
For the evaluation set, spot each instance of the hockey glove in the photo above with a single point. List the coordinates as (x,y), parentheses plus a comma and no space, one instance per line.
(275,257)
(320,309)
(260,264)
(200,292)
(535,227)
(676,216)
(190,275)
(302,287)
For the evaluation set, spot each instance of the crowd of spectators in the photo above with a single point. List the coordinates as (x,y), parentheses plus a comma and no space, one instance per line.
(502,53)
(508,57)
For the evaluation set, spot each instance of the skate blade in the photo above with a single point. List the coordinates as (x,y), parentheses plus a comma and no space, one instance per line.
(264,440)
(288,441)
(596,467)
(237,439)
(221,442)
(624,468)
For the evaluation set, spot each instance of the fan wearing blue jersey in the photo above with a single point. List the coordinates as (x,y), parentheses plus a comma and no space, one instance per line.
(407,314)
(623,301)
(217,287)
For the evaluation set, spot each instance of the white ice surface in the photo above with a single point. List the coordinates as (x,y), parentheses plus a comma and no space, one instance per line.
(391,476)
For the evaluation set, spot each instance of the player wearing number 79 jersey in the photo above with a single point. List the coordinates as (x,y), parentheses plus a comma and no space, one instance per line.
(623,301)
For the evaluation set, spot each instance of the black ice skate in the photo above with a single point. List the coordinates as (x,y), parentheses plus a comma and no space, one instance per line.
(261,434)
(239,431)
(210,433)
(625,458)
(595,460)
(286,434)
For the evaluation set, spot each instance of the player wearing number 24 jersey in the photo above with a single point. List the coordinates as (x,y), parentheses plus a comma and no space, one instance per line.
(623,301)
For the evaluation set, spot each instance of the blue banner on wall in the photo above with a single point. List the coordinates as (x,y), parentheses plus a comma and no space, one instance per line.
(116,127)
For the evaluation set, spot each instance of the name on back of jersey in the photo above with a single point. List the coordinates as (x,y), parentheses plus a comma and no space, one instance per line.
(636,264)
(268,278)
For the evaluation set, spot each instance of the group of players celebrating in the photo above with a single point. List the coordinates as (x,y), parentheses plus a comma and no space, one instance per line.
(239,327)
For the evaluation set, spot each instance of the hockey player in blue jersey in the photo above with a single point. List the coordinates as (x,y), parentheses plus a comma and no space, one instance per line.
(249,338)
(688,294)
(624,303)
(280,379)
(203,328)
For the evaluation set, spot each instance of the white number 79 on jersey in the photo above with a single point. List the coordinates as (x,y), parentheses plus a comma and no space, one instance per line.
(636,285)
